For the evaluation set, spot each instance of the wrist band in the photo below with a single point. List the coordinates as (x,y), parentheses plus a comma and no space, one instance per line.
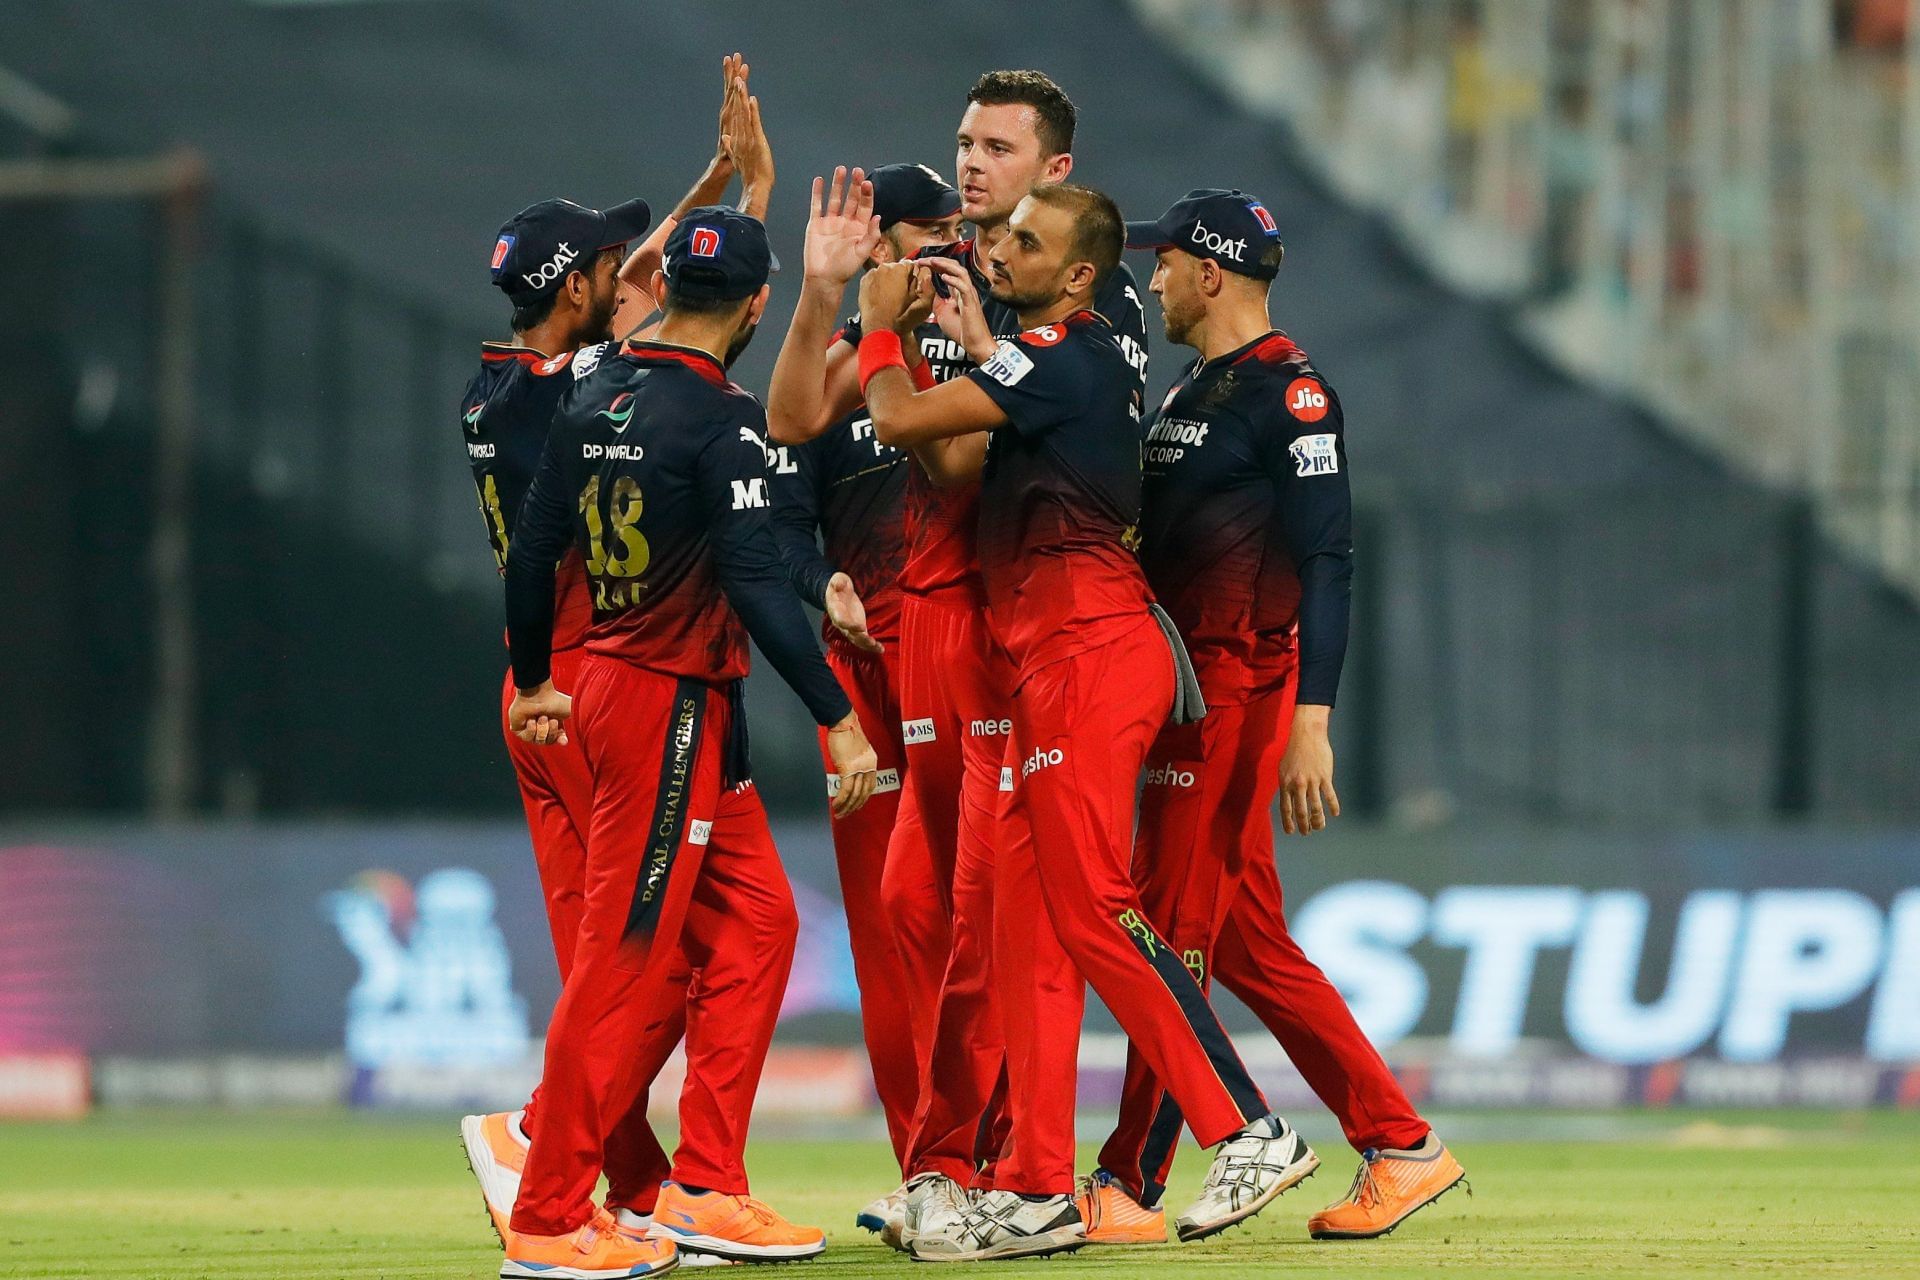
(879,351)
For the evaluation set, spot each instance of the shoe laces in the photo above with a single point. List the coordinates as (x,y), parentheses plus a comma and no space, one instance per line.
(1365,1192)
(762,1212)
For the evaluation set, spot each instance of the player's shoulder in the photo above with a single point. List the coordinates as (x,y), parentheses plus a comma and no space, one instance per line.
(1284,386)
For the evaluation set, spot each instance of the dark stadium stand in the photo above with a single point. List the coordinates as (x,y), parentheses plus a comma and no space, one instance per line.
(1571,615)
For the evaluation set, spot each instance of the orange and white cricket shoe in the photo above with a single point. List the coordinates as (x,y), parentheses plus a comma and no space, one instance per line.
(497,1153)
(1390,1187)
(597,1250)
(1113,1216)
(738,1228)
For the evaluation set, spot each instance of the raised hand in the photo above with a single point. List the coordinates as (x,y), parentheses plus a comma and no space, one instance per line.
(841,227)
(752,152)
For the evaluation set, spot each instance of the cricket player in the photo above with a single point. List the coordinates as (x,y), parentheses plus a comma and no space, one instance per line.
(655,470)
(1049,423)
(1015,134)
(1246,539)
(846,489)
(561,267)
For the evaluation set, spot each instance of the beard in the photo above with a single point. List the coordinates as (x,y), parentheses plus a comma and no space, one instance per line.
(1030,300)
(598,324)
(739,341)
(1179,322)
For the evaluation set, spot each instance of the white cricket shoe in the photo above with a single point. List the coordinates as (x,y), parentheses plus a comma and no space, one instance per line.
(1004,1224)
(496,1147)
(1249,1172)
(935,1205)
(887,1216)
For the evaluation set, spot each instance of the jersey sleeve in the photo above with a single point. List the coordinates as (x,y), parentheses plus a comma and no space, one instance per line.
(1304,440)
(541,534)
(732,479)
(1037,385)
(796,485)
(1119,301)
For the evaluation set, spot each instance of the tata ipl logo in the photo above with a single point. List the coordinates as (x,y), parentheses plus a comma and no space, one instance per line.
(436,980)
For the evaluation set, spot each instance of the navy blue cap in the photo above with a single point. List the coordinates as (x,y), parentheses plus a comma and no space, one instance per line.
(911,193)
(545,243)
(1231,227)
(717,253)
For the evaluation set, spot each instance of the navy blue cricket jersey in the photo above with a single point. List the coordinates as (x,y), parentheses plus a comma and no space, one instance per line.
(504,414)
(1247,521)
(656,470)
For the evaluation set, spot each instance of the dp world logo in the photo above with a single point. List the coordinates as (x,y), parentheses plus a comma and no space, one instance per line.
(619,411)
(436,982)
(705,242)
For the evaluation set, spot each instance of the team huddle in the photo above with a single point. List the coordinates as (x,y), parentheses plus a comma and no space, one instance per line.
(1073,649)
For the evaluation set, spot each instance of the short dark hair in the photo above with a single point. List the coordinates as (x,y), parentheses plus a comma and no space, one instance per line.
(1098,232)
(533,313)
(1036,89)
(537,311)
(685,306)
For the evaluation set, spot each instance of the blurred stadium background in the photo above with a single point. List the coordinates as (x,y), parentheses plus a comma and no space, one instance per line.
(1623,300)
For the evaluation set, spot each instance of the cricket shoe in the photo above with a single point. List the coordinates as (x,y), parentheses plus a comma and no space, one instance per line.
(1113,1216)
(636,1224)
(1391,1187)
(935,1205)
(887,1216)
(597,1250)
(1249,1172)
(1004,1224)
(736,1228)
(496,1148)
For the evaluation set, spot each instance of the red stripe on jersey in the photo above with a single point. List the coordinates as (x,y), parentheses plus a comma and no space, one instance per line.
(698,361)
(1276,348)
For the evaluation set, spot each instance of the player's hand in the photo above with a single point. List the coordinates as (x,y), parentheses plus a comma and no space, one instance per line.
(919,302)
(848,615)
(855,762)
(1307,798)
(885,293)
(841,228)
(733,75)
(539,715)
(958,312)
(752,153)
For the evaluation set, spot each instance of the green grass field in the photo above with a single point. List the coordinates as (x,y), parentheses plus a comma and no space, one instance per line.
(191,1194)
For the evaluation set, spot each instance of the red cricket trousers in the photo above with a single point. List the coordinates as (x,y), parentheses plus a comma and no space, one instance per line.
(955,683)
(556,790)
(674,862)
(1204,864)
(892,1010)
(1066,909)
